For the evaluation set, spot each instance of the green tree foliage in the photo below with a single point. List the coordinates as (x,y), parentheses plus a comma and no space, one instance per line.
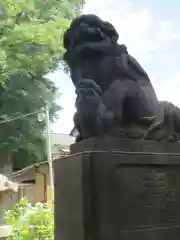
(31,34)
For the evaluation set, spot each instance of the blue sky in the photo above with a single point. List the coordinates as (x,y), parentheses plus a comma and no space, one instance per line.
(151,31)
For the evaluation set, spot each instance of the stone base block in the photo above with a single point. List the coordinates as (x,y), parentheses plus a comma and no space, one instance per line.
(107,193)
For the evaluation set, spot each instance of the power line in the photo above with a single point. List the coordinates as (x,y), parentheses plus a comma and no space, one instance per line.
(20,117)
(48,141)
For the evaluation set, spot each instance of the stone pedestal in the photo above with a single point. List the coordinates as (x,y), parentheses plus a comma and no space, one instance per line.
(111,189)
(7,188)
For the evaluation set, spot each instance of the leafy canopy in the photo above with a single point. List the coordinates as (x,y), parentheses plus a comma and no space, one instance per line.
(31,34)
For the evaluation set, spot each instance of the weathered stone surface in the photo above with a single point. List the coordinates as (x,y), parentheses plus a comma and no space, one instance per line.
(106,143)
(118,189)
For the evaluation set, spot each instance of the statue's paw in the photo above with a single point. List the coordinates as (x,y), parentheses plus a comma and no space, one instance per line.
(88,86)
(152,128)
(160,132)
(88,83)
(148,119)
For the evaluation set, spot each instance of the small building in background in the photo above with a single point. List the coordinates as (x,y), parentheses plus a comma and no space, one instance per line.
(7,189)
(60,144)
(34,183)
(33,180)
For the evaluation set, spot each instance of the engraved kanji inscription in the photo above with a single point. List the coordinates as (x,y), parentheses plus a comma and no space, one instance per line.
(160,198)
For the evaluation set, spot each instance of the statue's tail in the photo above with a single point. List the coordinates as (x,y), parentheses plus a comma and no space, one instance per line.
(173,111)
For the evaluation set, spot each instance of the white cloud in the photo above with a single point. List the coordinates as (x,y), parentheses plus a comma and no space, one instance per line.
(148,39)
(137,28)
(169,89)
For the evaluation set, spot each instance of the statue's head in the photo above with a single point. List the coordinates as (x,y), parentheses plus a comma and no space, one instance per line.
(88,27)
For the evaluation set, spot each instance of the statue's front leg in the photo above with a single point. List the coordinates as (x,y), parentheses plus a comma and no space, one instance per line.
(88,104)
(114,97)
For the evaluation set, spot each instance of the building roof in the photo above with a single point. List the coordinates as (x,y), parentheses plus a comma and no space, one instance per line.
(26,169)
(16,174)
(62,139)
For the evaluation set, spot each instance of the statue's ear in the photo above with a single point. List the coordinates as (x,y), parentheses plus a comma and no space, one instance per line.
(110,31)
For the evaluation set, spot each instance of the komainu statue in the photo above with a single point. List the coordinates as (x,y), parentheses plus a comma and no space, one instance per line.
(115,96)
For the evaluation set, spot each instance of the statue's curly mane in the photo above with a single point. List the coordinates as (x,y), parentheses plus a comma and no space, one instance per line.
(89,20)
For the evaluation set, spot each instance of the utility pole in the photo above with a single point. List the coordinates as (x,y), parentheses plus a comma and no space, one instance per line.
(49,152)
